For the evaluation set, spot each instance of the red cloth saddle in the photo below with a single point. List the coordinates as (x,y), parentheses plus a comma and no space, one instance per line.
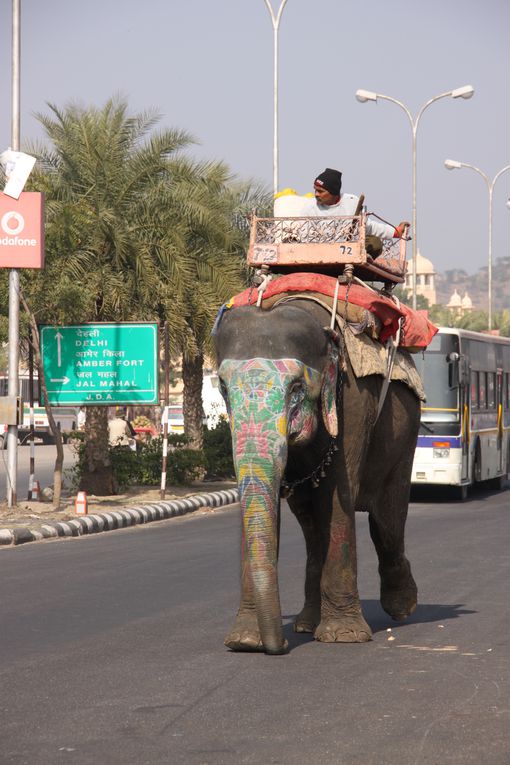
(417,330)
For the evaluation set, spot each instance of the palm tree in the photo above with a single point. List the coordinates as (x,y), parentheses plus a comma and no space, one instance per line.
(216,252)
(108,180)
(501,321)
(135,230)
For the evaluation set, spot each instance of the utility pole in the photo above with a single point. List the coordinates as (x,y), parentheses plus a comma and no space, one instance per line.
(13,379)
(275,19)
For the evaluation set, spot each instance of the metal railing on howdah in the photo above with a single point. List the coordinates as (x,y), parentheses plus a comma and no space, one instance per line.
(301,231)
(306,230)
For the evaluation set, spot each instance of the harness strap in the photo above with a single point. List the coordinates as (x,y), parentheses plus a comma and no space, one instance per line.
(262,288)
(335,303)
(391,349)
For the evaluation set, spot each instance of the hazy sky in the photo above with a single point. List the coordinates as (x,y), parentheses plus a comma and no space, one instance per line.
(207,66)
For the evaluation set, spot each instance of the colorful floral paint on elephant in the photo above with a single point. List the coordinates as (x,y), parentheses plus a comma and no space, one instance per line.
(270,402)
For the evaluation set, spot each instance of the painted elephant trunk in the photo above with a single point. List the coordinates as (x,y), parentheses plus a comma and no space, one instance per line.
(259,484)
(258,396)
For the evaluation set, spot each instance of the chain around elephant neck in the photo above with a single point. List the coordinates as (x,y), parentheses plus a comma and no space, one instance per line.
(287,487)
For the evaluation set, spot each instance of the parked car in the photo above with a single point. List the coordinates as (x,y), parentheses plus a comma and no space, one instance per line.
(65,418)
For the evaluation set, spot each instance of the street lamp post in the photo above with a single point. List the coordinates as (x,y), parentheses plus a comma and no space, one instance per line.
(366,95)
(275,18)
(14,278)
(452,164)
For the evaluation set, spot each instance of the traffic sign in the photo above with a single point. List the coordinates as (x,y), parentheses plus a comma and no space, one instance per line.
(94,364)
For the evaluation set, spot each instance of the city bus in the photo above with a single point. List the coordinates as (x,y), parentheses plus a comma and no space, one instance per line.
(465,421)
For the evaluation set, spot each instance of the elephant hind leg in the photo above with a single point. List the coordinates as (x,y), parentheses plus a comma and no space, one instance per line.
(399,593)
(307,619)
(385,488)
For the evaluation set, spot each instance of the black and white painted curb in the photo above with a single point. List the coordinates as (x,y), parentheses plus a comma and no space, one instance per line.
(119,519)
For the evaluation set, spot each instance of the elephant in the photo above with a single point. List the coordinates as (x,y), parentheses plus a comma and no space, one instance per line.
(304,425)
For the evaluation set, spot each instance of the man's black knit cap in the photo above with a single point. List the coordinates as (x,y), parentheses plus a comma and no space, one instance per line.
(331,180)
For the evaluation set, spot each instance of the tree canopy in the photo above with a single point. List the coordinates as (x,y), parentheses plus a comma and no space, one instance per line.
(136,229)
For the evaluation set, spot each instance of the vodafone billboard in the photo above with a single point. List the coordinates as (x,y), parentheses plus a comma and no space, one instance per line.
(22,231)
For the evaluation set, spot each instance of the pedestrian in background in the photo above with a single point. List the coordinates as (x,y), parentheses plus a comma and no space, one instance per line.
(82,418)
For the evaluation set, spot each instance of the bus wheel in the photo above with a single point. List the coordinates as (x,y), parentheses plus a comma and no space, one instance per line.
(461,492)
(498,483)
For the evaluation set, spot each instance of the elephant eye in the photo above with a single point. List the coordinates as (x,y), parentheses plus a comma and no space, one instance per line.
(296,392)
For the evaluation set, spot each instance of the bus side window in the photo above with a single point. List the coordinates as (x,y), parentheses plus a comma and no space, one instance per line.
(482,387)
(474,390)
(506,386)
(491,390)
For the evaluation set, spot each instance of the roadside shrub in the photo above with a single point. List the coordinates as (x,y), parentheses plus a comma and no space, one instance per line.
(219,462)
(185,466)
(143,467)
(125,466)
(182,466)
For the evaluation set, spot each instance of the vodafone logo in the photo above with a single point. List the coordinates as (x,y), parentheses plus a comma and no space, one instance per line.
(12,223)
(22,231)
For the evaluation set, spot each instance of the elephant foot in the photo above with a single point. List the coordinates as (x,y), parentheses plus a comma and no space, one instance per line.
(399,594)
(245,634)
(307,620)
(349,628)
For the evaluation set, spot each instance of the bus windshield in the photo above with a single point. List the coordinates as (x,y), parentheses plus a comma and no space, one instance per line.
(442,404)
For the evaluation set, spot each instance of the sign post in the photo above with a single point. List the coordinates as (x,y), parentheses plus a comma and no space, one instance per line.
(101,364)
(14,279)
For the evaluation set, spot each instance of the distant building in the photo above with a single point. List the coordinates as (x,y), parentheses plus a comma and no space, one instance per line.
(425,278)
(455,302)
(458,305)
(426,286)
(467,303)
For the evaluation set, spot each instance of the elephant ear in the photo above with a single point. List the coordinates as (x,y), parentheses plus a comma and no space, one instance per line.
(328,392)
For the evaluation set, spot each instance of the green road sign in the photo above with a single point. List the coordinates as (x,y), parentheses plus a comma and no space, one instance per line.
(101,363)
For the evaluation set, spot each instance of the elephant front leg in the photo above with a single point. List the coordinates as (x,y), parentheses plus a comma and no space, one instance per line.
(245,634)
(342,619)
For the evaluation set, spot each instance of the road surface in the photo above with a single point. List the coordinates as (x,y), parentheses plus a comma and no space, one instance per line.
(112,651)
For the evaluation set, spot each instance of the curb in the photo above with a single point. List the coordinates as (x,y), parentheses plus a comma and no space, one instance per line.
(119,519)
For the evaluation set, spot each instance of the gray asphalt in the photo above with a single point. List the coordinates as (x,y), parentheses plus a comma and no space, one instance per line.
(112,651)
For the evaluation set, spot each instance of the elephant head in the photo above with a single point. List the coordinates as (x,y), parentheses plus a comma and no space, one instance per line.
(279,380)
